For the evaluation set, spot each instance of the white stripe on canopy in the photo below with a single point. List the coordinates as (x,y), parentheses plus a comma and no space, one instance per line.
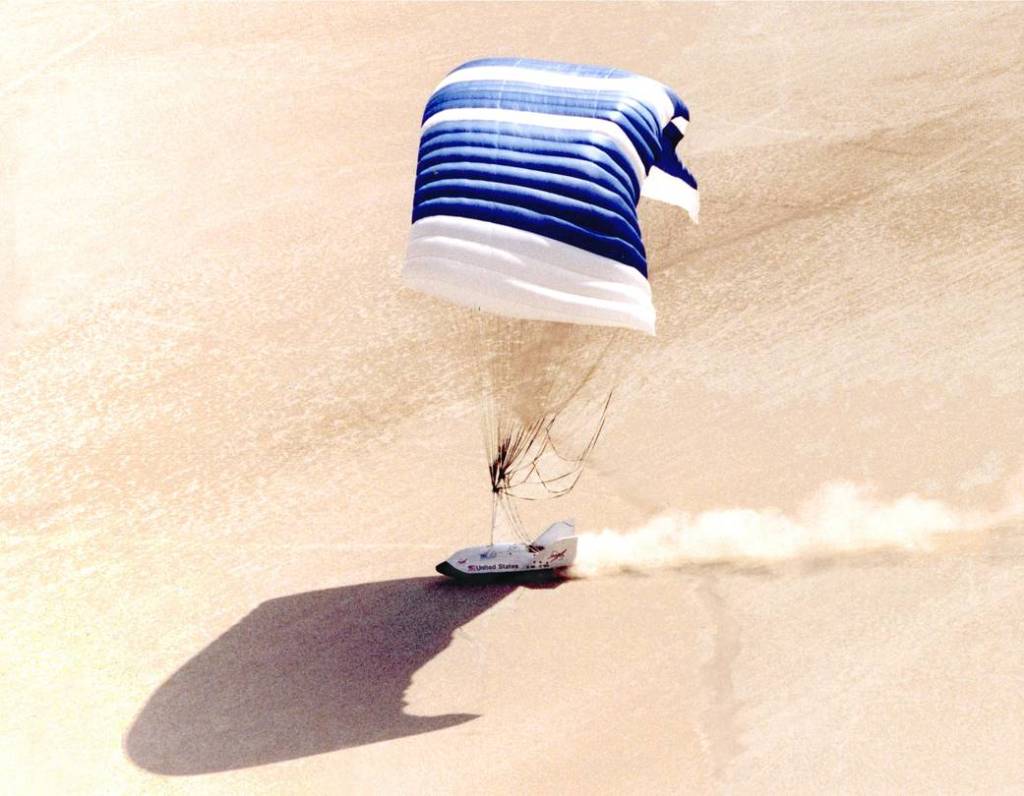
(637,86)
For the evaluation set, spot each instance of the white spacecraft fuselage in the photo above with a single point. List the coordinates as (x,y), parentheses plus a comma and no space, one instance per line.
(553,549)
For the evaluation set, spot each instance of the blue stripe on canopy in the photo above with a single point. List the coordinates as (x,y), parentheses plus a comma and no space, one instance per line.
(540,163)
(552,186)
(522,140)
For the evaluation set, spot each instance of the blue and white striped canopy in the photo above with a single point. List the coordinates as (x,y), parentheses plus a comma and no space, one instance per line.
(527,186)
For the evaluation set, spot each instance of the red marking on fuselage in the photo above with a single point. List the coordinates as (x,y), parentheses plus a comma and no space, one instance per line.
(557,556)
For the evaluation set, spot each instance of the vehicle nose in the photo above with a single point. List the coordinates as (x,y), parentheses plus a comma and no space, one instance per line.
(447,569)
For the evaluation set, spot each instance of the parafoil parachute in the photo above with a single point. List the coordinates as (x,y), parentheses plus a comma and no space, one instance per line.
(525,213)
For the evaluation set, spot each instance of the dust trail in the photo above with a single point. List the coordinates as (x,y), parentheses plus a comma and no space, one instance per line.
(842,518)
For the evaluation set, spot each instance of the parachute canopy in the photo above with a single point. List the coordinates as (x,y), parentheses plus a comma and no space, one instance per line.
(527,186)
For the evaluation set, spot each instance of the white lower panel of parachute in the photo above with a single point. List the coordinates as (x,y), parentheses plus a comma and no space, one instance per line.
(509,271)
(663,187)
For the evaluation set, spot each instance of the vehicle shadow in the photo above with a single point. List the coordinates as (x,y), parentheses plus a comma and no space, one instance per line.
(307,674)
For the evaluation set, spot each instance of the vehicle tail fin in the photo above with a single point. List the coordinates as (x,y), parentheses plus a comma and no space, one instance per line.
(560,530)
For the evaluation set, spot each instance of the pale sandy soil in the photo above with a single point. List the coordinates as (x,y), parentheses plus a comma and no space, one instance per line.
(232,449)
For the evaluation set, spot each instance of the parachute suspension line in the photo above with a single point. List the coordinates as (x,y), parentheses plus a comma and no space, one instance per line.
(517,465)
(494,515)
(530,469)
(542,408)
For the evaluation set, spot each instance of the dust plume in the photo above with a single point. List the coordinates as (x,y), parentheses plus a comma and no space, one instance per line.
(841,518)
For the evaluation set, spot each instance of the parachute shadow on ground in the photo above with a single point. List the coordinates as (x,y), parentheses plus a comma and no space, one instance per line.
(307,674)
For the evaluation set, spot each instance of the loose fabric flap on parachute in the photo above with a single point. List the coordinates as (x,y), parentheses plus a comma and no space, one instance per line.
(669,180)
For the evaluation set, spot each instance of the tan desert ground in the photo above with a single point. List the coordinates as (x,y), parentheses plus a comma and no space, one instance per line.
(233,447)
